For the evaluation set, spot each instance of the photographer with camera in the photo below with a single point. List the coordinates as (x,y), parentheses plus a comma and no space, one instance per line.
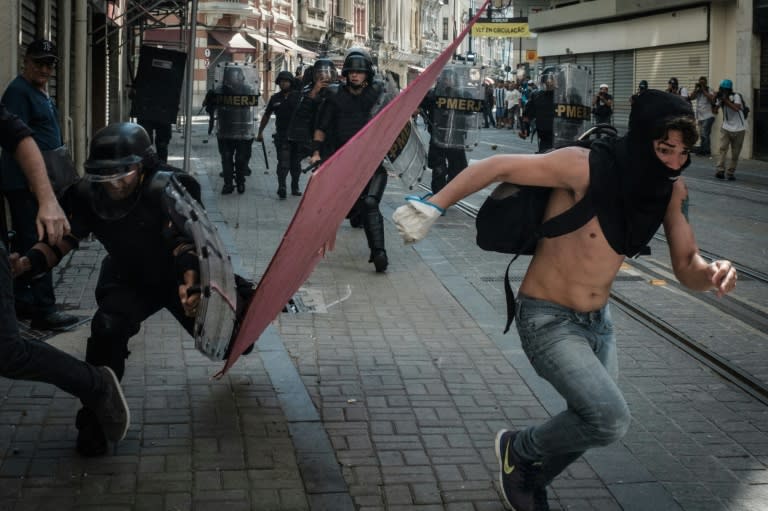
(602,105)
(705,115)
(733,129)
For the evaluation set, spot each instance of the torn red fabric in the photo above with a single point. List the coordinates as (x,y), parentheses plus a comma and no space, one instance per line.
(329,195)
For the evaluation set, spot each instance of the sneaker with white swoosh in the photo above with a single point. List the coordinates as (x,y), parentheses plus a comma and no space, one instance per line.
(517,477)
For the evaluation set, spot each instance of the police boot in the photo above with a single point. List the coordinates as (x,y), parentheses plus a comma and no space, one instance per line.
(281,191)
(295,187)
(91,440)
(374,231)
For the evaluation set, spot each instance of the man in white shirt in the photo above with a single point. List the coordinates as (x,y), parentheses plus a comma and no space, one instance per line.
(673,87)
(513,106)
(705,117)
(732,131)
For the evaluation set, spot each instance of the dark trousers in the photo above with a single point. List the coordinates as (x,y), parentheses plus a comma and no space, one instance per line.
(288,162)
(235,155)
(446,163)
(35,360)
(211,121)
(123,305)
(35,295)
(546,140)
(160,135)
(368,206)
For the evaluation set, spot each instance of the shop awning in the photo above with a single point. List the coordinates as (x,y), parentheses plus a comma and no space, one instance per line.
(233,41)
(299,50)
(275,43)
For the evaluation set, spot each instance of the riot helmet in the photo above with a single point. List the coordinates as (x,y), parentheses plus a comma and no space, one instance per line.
(448,78)
(233,76)
(358,59)
(284,75)
(547,78)
(323,69)
(115,168)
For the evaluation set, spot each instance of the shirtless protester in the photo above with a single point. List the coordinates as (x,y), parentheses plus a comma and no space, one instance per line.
(563,316)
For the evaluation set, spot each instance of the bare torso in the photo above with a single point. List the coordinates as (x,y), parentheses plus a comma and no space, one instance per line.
(575,270)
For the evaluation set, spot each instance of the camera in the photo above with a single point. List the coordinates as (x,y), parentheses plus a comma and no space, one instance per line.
(719,94)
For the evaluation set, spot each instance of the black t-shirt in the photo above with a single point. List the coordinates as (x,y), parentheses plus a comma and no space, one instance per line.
(283,106)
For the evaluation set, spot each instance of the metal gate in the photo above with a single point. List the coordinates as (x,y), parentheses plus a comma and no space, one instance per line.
(686,62)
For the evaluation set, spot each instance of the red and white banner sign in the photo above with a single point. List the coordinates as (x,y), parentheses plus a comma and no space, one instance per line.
(330,194)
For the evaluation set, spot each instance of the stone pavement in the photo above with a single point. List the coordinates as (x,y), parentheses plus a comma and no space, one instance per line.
(384,391)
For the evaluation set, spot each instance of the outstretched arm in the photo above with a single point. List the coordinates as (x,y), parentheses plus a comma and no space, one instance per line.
(565,168)
(51,220)
(690,268)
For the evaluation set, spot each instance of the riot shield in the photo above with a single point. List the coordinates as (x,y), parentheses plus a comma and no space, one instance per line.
(458,107)
(573,92)
(236,96)
(157,87)
(407,157)
(215,318)
(388,89)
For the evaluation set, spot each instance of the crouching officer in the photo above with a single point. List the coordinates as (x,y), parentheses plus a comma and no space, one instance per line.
(151,262)
(342,115)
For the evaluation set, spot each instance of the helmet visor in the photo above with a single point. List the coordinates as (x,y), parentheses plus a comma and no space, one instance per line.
(109,174)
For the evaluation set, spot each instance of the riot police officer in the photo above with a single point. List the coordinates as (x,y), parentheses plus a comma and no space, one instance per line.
(235,125)
(151,262)
(446,156)
(283,104)
(541,108)
(301,129)
(342,115)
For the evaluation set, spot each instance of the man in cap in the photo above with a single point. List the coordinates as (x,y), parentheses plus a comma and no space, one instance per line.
(563,315)
(732,131)
(27,97)
(602,105)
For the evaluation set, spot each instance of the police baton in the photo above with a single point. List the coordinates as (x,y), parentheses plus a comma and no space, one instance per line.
(312,166)
(264,150)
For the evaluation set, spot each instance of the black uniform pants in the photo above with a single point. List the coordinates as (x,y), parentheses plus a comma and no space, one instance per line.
(445,164)
(287,162)
(123,304)
(368,208)
(160,135)
(235,155)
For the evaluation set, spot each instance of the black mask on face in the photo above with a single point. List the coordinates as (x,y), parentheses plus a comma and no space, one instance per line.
(631,186)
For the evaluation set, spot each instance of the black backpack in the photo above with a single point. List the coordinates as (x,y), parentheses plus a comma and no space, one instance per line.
(510,219)
(744,106)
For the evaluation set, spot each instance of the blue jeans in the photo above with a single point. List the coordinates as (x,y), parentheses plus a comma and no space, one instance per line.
(576,353)
(705,132)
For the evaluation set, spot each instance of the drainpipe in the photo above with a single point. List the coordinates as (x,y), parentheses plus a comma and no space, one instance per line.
(80,96)
(191,46)
(65,71)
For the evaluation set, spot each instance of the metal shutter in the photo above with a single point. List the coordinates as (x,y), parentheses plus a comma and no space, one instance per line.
(623,87)
(686,62)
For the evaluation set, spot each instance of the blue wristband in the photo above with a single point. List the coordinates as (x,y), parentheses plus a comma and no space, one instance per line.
(423,200)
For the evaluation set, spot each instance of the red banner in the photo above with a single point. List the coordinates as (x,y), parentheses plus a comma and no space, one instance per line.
(330,194)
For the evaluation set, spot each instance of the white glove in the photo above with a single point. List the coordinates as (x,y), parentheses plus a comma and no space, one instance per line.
(414,219)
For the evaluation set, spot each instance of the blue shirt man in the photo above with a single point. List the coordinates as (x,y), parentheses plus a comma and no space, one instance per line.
(27,97)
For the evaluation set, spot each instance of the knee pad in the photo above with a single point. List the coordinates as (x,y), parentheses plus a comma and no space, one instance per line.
(370,203)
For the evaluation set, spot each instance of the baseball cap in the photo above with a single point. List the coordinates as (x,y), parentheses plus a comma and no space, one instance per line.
(673,81)
(726,84)
(42,49)
(643,84)
(603,85)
